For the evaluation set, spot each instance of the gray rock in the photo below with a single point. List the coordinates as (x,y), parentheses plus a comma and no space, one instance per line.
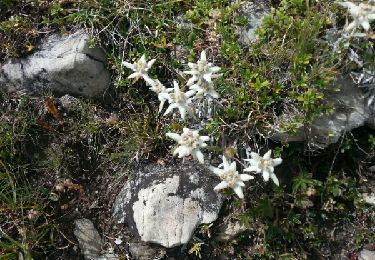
(350,113)
(107,256)
(230,230)
(143,251)
(164,205)
(88,238)
(366,254)
(254,11)
(63,64)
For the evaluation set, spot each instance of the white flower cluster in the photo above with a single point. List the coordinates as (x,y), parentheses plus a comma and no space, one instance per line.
(231,179)
(362,15)
(200,84)
(190,142)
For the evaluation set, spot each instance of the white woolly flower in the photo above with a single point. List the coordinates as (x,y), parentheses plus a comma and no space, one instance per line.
(189,143)
(162,92)
(230,178)
(264,165)
(178,99)
(140,68)
(362,14)
(205,88)
(202,70)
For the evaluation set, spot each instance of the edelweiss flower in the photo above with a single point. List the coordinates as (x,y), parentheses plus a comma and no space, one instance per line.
(202,70)
(205,88)
(140,69)
(178,99)
(157,87)
(265,165)
(230,178)
(362,14)
(189,143)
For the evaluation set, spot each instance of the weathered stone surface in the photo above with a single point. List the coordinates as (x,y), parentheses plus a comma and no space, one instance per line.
(350,113)
(164,205)
(88,238)
(366,254)
(63,64)
(230,230)
(143,251)
(254,11)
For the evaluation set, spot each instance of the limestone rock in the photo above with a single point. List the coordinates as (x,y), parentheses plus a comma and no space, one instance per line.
(350,113)
(254,11)
(164,205)
(230,230)
(88,238)
(63,64)
(366,254)
(143,251)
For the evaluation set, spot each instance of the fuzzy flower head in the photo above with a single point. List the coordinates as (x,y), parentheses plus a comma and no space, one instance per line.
(190,143)
(202,70)
(140,68)
(230,178)
(162,92)
(178,99)
(205,88)
(362,14)
(264,165)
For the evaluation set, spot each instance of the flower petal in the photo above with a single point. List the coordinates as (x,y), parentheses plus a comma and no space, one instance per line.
(266,175)
(129,65)
(267,155)
(275,179)
(254,156)
(174,136)
(199,155)
(251,168)
(246,177)
(277,161)
(238,191)
(221,185)
(215,170)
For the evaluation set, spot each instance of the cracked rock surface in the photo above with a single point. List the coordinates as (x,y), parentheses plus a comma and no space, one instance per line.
(164,205)
(62,64)
(350,112)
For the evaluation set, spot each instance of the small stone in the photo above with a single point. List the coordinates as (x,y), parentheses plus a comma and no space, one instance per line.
(164,205)
(143,251)
(369,199)
(88,238)
(366,254)
(64,64)
(230,230)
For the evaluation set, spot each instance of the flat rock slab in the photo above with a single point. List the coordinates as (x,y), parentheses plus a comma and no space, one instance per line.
(164,205)
(63,64)
(88,238)
(350,113)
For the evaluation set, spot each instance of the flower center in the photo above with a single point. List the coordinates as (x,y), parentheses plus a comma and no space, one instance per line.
(265,164)
(189,139)
(230,177)
(179,98)
(140,66)
(202,66)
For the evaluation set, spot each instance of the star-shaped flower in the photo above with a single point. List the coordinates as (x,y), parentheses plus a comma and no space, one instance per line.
(202,70)
(362,14)
(189,143)
(264,165)
(178,99)
(162,92)
(230,177)
(140,68)
(205,88)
